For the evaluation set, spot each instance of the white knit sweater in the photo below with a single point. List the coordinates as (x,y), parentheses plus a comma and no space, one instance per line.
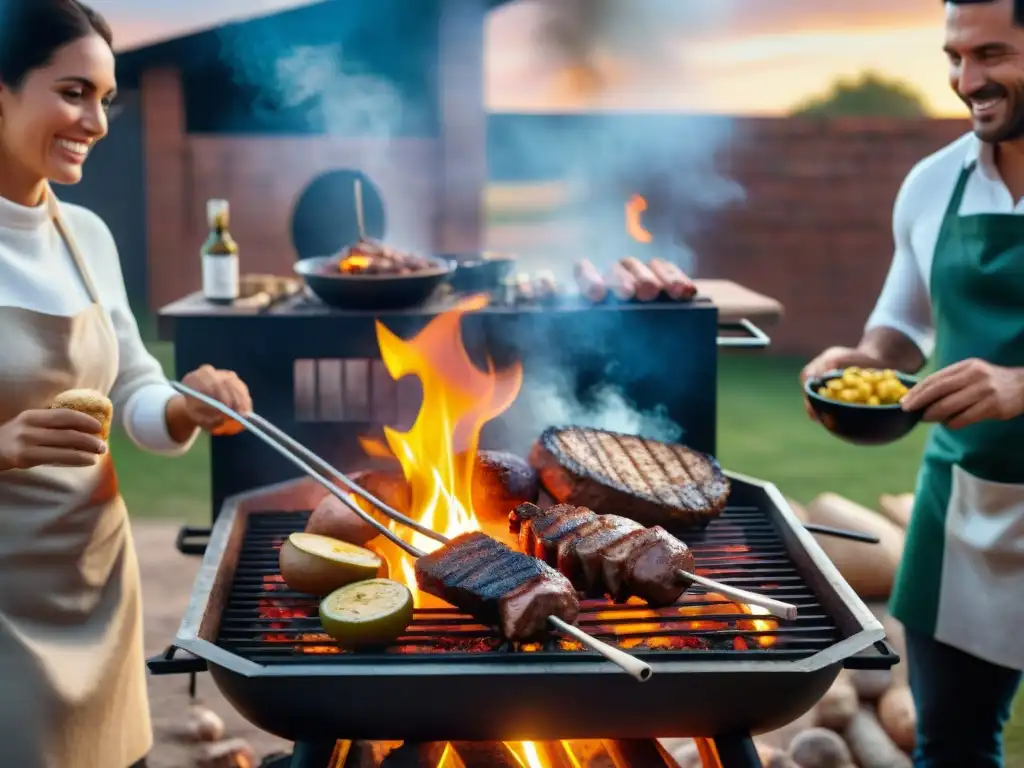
(38,273)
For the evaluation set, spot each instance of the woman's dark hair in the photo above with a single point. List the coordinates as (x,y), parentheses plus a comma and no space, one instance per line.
(32,31)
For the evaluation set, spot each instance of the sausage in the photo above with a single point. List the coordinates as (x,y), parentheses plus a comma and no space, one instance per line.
(677,285)
(621,282)
(648,287)
(590,282)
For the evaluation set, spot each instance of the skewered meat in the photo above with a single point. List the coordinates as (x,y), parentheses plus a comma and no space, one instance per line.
(590,282)
(648,287)
(483,577)
(605,553)
(677,285)
(646,480)
(622,283)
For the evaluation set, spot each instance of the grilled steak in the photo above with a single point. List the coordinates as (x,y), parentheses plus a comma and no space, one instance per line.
(542,535)
(651,572)
(497,585)
(588,552)
(645,480)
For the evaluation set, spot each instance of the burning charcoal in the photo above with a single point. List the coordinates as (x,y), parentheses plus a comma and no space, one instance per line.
(413,755)
(485,754)
(234,753)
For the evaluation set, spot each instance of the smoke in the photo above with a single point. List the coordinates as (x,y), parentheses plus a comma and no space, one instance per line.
(621,66)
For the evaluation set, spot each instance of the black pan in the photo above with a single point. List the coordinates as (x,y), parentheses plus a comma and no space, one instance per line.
(372,292)
(479,272)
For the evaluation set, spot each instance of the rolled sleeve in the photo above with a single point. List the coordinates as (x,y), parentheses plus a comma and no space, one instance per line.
(145,421)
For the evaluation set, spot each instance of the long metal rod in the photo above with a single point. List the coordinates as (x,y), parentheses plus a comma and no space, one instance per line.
(633,666)
(341,495)
(282,437)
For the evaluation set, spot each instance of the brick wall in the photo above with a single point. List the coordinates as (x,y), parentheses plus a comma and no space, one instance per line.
(816,229)
(814,232)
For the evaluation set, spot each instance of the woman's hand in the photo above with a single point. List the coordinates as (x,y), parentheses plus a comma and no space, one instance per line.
(56,437)
(186,413)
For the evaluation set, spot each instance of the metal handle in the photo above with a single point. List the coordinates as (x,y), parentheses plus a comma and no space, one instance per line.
(881,655)
(187,547)
(755,338)
(842,533)
(166,663)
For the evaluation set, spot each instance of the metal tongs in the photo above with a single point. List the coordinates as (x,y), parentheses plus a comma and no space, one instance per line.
(299,455)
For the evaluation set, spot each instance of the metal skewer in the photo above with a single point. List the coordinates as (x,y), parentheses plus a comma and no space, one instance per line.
(360,221)
(282,437)
(633,666)
(774,607)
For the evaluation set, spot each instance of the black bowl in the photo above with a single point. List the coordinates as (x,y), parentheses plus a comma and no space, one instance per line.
(861,424)
(372,292)
(479,271)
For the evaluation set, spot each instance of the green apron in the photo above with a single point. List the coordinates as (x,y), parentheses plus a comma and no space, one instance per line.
(961,580)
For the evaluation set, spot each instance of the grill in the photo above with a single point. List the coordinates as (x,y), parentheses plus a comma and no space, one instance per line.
(717,671)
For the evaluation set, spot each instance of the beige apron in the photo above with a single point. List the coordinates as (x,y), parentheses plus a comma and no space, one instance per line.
(72,676)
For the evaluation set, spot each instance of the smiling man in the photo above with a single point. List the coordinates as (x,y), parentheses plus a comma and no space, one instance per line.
(956,288)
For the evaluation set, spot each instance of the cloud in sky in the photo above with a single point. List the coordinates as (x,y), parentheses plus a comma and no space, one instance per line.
(748,55)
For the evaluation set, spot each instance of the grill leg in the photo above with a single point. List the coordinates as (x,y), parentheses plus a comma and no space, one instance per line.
(736,751)
(313,755)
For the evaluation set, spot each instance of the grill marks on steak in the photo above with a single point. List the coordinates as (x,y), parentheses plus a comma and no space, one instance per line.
(497,585)
(646,480)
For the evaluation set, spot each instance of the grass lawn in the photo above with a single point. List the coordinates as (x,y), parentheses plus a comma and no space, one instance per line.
(763,432)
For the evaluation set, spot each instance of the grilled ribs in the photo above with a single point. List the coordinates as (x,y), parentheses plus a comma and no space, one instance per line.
(498,585)
(605,553)
(648,481)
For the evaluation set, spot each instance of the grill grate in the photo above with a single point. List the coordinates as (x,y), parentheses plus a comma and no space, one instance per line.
(266,623)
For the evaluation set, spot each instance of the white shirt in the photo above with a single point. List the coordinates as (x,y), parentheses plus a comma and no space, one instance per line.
(38,273)
(905,301)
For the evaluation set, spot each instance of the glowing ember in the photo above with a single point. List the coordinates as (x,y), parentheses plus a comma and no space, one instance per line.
(634,227)
(354,264)
(437,454)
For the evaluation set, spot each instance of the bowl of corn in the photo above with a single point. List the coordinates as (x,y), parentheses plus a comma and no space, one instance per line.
(862,405)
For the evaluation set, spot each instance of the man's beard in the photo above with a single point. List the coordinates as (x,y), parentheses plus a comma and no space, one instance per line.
(1011,127)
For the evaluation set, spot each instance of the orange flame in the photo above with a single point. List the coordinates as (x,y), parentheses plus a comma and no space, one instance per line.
(634,210)
(437,454)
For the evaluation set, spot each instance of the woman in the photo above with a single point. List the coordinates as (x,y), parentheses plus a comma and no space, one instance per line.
(71,660)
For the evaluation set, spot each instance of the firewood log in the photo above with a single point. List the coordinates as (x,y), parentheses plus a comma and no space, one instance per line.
(869,568)
(837,707)
(200,725)
(773,758)
(898,716)
(870,744)
(897,508)
(233,753)
(820,748)
(871,683)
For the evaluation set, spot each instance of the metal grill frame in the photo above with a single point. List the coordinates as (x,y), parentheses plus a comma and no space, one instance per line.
(522,696)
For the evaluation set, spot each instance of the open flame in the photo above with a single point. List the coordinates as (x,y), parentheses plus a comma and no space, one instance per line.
(437,454)
(354,264)
(634,223)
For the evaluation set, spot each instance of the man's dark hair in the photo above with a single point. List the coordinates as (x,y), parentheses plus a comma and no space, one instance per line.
(32,31)
(1018,7)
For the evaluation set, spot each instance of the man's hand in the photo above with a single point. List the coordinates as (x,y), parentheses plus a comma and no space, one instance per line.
(832,359)
(968,392)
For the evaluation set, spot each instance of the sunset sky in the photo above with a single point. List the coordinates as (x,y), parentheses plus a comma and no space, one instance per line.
(727,56)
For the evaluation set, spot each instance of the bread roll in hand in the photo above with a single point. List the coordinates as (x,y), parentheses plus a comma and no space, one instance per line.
(91,403)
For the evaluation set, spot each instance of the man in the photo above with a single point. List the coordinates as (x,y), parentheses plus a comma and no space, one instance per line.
(956,288)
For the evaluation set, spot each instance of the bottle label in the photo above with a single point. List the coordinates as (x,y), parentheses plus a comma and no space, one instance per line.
(220,277)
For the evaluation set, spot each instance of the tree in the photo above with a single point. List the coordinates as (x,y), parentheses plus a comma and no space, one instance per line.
(868,95)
